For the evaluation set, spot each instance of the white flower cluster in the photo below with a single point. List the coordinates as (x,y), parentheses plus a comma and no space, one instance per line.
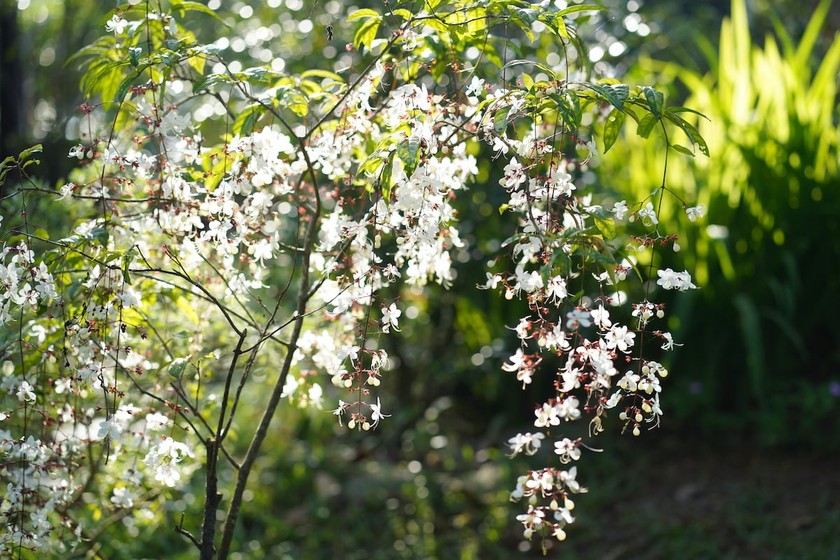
(23,282)
(549,254)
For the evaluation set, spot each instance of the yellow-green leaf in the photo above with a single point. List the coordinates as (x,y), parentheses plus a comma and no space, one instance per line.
(367,32)
(606,227)
(612,128)
(364,13)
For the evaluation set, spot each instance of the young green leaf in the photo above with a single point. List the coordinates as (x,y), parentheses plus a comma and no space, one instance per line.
(612,128)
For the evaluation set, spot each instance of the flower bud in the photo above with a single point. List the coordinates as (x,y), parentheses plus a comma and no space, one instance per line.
(636,431)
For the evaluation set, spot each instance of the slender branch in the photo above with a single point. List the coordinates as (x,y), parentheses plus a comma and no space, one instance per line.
(277,392)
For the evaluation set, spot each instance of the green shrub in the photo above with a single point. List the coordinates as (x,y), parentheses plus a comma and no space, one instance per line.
(764,350)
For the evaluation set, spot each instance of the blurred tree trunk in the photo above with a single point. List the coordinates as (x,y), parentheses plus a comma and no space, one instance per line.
(11,80)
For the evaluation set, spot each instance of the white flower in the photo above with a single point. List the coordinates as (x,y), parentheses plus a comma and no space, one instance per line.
(62,385)
(116,25)
(522,364)
(123,497)
(556,289)
(342,408)
(26,392)
(601,317)
(390,318)
(619,337)
(476,86)
(671,280)
(66,190)
(577,318)
(568,478)
(499,146)
(695,212)
(669,341)
(568,409)
(163,457)
(533,519)
(156,422)
(492,282)
(620,210)
(522,329)
(527,442)
(630,382)
(567,449)
(77,151)
(109,429)
(648,215)
(603,278)
(348,351)
(376,413)
(613,400)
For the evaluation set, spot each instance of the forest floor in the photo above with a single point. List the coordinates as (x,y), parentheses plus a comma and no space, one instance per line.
(676,498)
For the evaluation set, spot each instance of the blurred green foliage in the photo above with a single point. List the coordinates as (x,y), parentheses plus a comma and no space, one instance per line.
(761,352)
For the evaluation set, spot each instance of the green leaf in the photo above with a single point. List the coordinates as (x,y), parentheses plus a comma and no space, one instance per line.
(370,164)
(568,104)
(5,167)
(385,177)
(36,149)
(247,119)
(367,32)
(574,9)
(29,162)
(614,94)
(209,81)
(612,128)
(318,73)
(134,54)
(500,119)
(527,15)
(100,234)
(605,226)
(436,24)
(655,99)
(41,233)
(560,26)
(403,13)
(646,125)
(177,367)
(408,150)
(293,100)
(688,110)
(682,150)
(365,13)
(520,61)
(188,6)
(126,265)
(527,81)
(259,75)
(690,131)
(125,85)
